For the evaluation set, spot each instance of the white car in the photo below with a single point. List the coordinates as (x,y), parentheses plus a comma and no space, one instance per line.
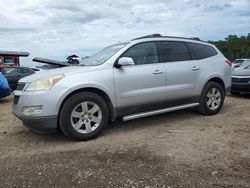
(146,76)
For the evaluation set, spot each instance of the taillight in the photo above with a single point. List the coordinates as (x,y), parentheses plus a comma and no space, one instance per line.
(228,62)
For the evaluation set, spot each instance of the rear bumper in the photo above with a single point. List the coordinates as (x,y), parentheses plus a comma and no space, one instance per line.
(44,124)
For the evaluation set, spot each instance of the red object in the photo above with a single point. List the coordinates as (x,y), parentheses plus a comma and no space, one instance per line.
(228,62)
(8,60)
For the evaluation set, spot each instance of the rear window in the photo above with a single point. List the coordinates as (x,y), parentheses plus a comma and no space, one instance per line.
(201,51)
(9,61)
(9,71)
(170,51)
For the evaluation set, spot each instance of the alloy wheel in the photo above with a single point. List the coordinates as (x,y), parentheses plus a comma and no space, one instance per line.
(86,117)
(213,98)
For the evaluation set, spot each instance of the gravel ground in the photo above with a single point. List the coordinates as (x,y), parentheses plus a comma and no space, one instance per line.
(178,149)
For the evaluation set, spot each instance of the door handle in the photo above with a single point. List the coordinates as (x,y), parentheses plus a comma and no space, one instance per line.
(158,72)
(195,68)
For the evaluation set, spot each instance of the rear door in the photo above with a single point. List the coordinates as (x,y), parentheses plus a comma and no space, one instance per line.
(181,71)
(143,83)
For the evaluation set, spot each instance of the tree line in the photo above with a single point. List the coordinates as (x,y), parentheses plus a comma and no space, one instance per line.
(234,47)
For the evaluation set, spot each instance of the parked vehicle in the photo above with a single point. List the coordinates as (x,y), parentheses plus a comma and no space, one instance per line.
(11,58)
(241,79)
(13,74)
(239,62)
(4,87)
(146,76)
(37,69)
(75,60)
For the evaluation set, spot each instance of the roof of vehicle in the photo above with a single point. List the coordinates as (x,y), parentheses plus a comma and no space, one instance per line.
(160,36)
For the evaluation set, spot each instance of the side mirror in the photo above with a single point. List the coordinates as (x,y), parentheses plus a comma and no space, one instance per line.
(125,61)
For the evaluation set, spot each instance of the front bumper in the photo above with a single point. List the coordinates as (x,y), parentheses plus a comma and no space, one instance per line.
(44,124)
(240,87)
(44,121)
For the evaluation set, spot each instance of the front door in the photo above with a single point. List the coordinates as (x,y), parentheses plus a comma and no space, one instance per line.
(143,83)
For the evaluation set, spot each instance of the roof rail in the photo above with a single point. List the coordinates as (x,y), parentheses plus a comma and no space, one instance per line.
(160,36)
(148,36)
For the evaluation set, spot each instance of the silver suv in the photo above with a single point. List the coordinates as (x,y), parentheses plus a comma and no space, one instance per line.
(146,76)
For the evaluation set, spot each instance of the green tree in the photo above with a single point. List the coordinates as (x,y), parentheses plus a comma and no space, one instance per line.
(234,47)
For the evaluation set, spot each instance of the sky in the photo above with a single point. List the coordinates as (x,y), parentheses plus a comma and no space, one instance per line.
(58,28)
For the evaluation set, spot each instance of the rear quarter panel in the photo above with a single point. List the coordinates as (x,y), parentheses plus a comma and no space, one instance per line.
(214,67)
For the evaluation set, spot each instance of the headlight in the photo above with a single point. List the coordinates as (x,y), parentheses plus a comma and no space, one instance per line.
(44,84)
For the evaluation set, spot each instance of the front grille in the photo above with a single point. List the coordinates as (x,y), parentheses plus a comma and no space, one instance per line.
(16,99)
(20,86)
(240,80)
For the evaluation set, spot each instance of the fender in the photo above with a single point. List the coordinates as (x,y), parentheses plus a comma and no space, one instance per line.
(93,85)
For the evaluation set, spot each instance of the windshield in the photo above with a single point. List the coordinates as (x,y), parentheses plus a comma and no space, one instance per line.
(246,63)
(239,61)
(103,55)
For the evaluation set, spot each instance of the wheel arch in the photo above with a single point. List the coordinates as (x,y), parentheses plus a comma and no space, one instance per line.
(97,91)
(217,79)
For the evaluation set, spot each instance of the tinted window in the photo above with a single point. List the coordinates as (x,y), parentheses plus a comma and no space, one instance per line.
(170,51)
(143,53)
(9,71)
(200,51)
(25,70)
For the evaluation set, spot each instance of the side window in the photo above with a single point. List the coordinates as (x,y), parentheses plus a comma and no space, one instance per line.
(170,51)
(201,51)
(143,53)
(9,71)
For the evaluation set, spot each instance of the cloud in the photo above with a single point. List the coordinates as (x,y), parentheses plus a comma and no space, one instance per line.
(55,29)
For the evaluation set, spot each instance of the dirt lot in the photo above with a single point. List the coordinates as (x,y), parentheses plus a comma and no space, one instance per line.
(178,149)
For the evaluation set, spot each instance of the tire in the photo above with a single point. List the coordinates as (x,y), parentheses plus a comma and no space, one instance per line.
(83,116)
(211,103)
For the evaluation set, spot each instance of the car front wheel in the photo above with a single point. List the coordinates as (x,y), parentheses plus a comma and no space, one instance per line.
(84,116)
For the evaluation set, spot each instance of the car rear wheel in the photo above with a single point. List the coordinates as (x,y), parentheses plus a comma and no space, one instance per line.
(84,116)
(212,99)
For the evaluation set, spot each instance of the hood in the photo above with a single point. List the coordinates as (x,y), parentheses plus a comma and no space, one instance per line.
(65,71)
(241,72)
